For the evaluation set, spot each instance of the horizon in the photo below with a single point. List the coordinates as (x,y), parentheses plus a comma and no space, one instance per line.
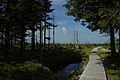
(66,26)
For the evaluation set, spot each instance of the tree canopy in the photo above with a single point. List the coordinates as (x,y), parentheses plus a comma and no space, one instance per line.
(99,14)
(95,12)
(18,16)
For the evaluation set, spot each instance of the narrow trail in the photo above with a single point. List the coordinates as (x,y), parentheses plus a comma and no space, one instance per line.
(94,69)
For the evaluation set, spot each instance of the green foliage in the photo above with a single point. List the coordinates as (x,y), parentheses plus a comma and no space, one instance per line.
(29,66)
(111,65)
(113,72)
(19,16)
(97,14)
(29,70)
(116,79)
(109,18)
(61,55)
(55,58)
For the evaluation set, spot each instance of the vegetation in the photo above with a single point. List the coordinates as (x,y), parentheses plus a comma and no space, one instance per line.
(86,50)
(35,66)
(103,17)
(19,59)
(98,15)
(20,19)
(111,64)
(17,18)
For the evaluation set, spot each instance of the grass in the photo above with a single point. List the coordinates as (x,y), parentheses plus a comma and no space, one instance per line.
(30,70)
(28,66)
(55,58)
(103,53)
(112,65)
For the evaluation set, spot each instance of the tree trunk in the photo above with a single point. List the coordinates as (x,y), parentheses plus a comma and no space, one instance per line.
(44,36)
(11,40)
(15,40)
(49,35)
(33,40)
(2,41)
(41,35)
(7,43)
(7,39)
(22,44)
(112,42)
(119,41)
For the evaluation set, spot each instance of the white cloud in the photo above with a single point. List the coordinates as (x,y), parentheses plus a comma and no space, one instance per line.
(64,30)
(61,22)
(58,29)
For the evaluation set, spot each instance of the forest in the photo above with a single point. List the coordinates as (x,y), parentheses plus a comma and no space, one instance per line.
(25,59)
(41,60)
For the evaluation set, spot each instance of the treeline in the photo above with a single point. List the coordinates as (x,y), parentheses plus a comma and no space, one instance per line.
(33,60)
(20,19)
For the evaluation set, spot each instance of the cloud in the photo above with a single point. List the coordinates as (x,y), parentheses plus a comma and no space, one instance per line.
(61,22)
(64,30)
(58,29)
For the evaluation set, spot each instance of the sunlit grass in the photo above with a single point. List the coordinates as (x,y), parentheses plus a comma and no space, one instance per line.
(111,64)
